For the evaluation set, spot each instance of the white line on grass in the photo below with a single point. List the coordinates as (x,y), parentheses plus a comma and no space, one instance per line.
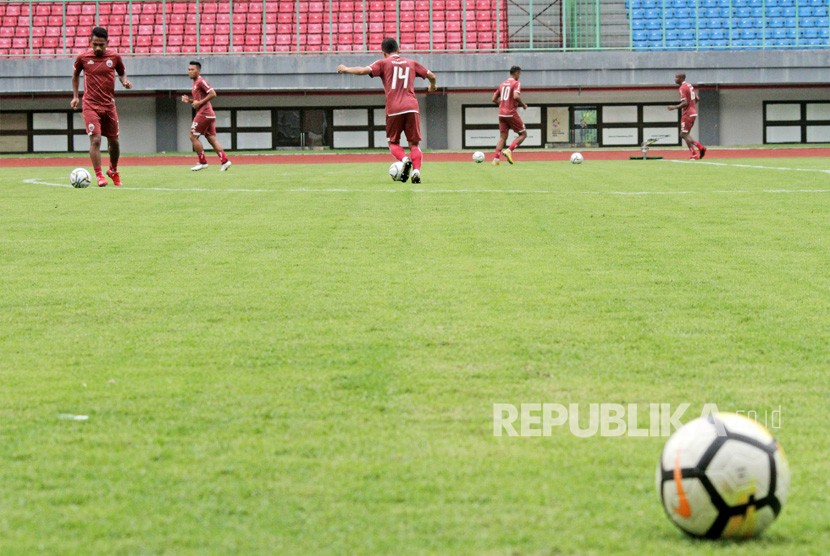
(753,166)
(36,181)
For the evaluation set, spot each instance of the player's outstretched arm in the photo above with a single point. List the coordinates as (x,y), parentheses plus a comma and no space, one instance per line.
(355,70)
(125,82)
(432,81)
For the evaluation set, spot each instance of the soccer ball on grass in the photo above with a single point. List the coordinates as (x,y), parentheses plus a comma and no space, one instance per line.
(395,170)
(577,158)
(722,476)
(478,157)
(79,178)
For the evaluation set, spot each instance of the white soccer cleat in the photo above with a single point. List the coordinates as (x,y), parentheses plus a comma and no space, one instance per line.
(199,166)
(225,166)
(416,176)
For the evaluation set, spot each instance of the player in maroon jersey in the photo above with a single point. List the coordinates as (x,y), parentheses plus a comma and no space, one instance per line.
(100,117)
(688,104)
(509,97)
(398,75)
(204,123)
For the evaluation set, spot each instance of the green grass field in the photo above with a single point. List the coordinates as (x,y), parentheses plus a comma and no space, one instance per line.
(310,366)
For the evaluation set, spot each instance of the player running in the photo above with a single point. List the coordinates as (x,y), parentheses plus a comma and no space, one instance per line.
(509,97)
(402,117)
(100,116)
(688,103)
(204,122)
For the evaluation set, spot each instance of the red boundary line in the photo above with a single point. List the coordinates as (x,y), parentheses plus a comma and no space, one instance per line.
(339,158)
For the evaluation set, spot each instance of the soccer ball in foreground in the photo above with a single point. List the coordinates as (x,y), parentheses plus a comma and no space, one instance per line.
(478,157)
(577,158)
(722,476)
(79,178)
(395,170)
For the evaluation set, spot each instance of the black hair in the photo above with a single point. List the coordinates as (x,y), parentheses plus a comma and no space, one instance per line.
(681,75)
(389,45)
(100,32)
(514,69)
(195,63)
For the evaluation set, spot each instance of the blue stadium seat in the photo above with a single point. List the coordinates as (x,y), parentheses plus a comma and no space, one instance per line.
(743,23)
(718,34)
(792,34)
(738,3)
(791,22)
(823,22)
(782,42)
(775,22)
(671,23)
(710,4)
(638,14)
(654,24)
(786,3)
(684,13)
(772,3)
(818,3)
(816,43)
(639,36)
(748,33)
(775,12)
(790,11)
(687,35)
(638,24)
(753,43)
(743,13)
(672,35)
(824,33)
(654,14)
(702,35)
(721,44)
(756,3)
(654,36)
(809,22)
(676,3)
(757,12)
(650,4)
(809,33)
(806,11)
(820,11)
(779,34)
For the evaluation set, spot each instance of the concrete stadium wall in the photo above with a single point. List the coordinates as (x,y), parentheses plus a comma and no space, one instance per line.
(735,83)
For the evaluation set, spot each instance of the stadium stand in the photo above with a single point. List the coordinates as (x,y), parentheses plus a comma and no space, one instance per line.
(217,26)
(728,24)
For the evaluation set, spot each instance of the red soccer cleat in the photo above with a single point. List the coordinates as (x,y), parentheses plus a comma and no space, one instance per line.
(702,151)
(113,174)
(102,181)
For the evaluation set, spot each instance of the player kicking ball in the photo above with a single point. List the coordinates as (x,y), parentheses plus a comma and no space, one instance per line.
(402,118)
(688,104)
(204,122)
(509,97)
(99,66)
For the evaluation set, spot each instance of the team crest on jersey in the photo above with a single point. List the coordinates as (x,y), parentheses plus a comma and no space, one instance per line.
(91,127)
(109,63)
(89,62)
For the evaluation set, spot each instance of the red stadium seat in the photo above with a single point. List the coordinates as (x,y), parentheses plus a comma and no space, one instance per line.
(175,29)
(118,8)
(206,18)
(174,49)
(88,9)
(5,43)
(177,19)
(174,40)
(179,8)
(223,29)
(104,8)
(223,18)
(209,7)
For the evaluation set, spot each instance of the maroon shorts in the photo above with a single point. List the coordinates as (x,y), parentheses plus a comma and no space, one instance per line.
(409,124)
(687,122)
(513,122)
(203,125)
(101,122)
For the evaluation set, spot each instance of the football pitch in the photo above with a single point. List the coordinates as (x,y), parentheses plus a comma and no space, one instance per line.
(305,359)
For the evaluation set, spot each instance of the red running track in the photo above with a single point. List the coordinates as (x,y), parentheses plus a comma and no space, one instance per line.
(339,158)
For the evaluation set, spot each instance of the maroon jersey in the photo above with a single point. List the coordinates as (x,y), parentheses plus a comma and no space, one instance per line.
(507,98)
(398,75)
(687,91)
(99,78)
(200,91)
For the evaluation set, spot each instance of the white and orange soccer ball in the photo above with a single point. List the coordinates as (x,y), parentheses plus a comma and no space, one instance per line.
(723,476)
